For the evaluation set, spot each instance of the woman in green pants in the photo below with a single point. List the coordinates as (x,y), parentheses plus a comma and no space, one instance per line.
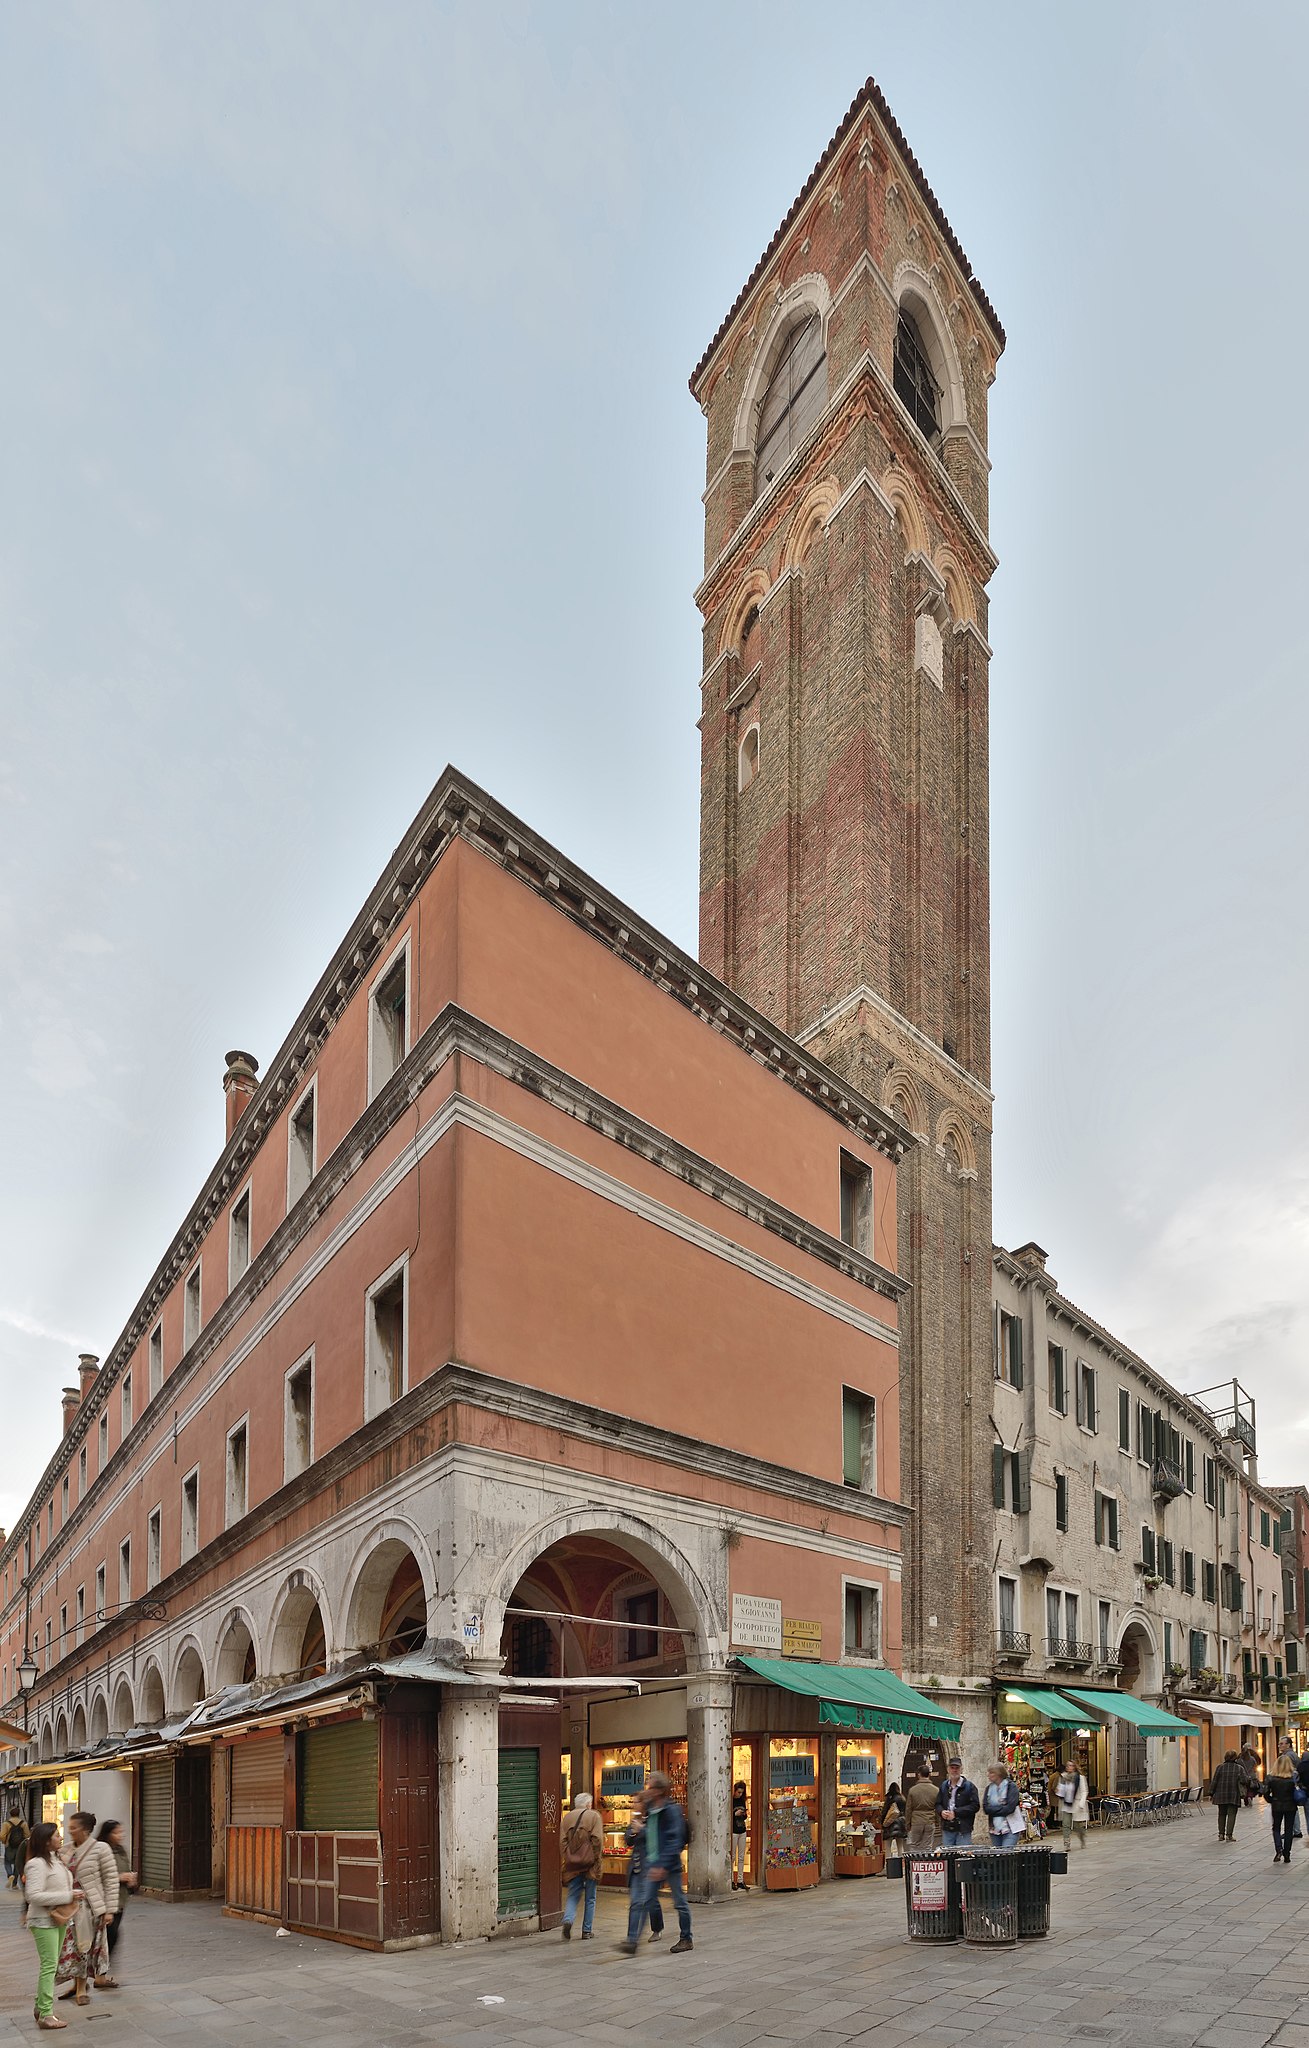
(48,1884)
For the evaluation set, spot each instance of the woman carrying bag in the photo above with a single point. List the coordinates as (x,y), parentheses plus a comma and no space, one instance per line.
(84,1954)
(48,1885)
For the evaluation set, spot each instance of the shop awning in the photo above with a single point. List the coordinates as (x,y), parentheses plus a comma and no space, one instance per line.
(852,1698)
(1125,1706)
(1052,1706)
(1224,1714)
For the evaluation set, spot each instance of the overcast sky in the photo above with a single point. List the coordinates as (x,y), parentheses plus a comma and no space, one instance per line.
(344,431)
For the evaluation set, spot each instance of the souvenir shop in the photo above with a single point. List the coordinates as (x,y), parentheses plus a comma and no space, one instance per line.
(1039,1732)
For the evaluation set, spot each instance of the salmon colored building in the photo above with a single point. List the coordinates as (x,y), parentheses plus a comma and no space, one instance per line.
(515,1411)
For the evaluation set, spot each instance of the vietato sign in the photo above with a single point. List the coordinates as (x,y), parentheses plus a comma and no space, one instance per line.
(756,1623)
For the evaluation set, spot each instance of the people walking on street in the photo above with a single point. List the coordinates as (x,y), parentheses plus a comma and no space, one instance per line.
(920,1813)
(665,1839)
(635,1840)
(1278,1789)
(740,1834)
(1226,1789)
(958,1803)
(1003,1808)
(84,1955)
(1074,1797)
(48,1888)
(892,1821)
(582,1847)
(111,1833)
(1249,1773)
(14,1836)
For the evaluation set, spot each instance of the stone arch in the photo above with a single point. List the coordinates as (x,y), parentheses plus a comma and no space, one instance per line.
(99,1728)
(748,596)
(77,1733)
(293,1611)
(953,1133)
(897,487)
(902,1095)
(671,1570)
(188,1687)
(747,756)
(1138,1654)
(47,1744)
(123,1716)
(371,1576)
(237,1650)
(61,1735)
(958,587)
(151,1696)
(916,295)
(808,294)
(810,520)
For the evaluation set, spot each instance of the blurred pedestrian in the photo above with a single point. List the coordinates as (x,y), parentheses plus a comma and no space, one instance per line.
(1226,1789)
(111,1834)
(1278,1789)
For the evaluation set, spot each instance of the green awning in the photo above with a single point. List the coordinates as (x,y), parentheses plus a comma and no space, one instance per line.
(1052,1706)
(1126,1707)
(850,1697)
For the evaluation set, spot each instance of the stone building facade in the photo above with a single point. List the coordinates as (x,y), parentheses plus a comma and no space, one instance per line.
(844,814)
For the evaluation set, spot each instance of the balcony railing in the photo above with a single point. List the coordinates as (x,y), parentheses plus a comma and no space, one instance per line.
(1107,1661)
(1167,1479)
(1230,1685)
(1063,1650)
(1012,1646)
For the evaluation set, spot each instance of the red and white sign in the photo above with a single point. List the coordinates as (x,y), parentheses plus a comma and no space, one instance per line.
(927,1882)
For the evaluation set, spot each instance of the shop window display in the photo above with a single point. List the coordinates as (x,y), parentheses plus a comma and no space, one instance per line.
(860,1789)
(743,1773)
(621,1773)
(791,1825)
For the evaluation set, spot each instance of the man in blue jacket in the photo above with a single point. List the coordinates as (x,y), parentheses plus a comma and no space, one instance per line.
(665,1839)
(957,1803)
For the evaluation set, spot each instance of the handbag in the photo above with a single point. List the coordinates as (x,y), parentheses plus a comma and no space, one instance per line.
(579,1850)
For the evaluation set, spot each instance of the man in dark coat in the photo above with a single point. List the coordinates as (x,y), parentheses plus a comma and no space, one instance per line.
(1227,1789)
(957,1803)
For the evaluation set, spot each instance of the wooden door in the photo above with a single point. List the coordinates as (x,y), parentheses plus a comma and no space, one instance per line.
(193,1856)
(409,1842)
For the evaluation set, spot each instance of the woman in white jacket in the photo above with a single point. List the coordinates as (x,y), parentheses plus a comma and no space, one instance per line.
(95,1874)
(48,1885)
(1073,1794)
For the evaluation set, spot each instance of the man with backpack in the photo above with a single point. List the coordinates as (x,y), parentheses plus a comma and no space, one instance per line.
(582,1846)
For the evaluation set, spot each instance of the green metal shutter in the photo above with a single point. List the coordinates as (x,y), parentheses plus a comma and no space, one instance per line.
(338,1777)
(157,1823)
(520,1831)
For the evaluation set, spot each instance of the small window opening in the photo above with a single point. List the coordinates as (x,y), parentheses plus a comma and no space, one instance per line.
(858,1440)
(153,1547)
(156,1359)
(103,1443)
(386,1344)
(300,1165)
(793,401)
(81,1473)
(79,1613)
(390,1023)
(63,1500)
(190,1514)
(125,1571)
(856,1204)
(915,386)
(191,1308)
(236,1474)
(299,1418)
(99,1594)
(862,1621)
(127,1403)
(641,1612)
(238,1249)
(747,763)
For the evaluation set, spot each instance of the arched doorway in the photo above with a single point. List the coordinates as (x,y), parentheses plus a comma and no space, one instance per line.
(124,1714)
(99,1719)
(237,1664)
(388,1605)
(152,1697)
(1139,1667)
(78,1733)
(189,1684)
(299,1641)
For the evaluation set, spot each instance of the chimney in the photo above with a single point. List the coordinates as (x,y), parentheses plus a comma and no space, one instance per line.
(72,1402)
(88,1365)
(239,1084)
(1032,1255)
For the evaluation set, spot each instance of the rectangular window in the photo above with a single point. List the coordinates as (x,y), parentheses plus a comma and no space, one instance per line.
(153,1547)
(1222,1493)
(63,1632)
(858,1440)
(1008,1348)
(50,1524)
(385,1344)
(102,1442)
(238,1238)
(1210,1483)
(1292,1658)
(1188,1571)
(191,1308)
(64,1485)
(388,1023)
(99,1594)
(125,1571)
(1265,1531)
(1198,1646)
(1071,1617)
(1106,1520)
(1088,1416)
(191,1514)
(1167,1565)
(81,1473)
(1277,1539)
(1147,1548)
(1188,1465)
(863,1631)
(1008,1606)
(1208,1578)
(1058,1379)
(1144,1433)
(856,1204)
(1168,1647)
(1054,1622)
(156,1359)
(1106,1625)
(237,1497)
(1124,1420)
(301,1144)
(299,1418)
(127,1403)
(79,1612)
(641,1613)
(1011,1479)
(1061,1500)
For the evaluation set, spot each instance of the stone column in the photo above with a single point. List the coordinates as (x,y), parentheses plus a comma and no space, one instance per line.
(709,1782)
(826,1806)
(468,1795)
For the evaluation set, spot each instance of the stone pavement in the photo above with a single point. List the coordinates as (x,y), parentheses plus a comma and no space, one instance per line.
(1158,1937)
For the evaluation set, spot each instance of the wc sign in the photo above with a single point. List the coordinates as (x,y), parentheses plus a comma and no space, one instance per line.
(472,1631)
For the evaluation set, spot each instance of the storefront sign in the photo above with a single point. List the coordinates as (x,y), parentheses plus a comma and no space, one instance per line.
(790,1770)
(1302,1702)
(802,1639)
(756,1623)
(620,1781)
(859,1770)
(927,1885)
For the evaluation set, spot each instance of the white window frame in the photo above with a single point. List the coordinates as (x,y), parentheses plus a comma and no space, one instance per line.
(242,1424)
(187,1477)
(1015,1581)
(309,1094)
(125,1572)
(102,1441)
(384,973)
(243,1195)
(371,1408)
(125,1399)
(154,1545)
(307,1360)
(193,1320)
(873,1590)
(155,1358)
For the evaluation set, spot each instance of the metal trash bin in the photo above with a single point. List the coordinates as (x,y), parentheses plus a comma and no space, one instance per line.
(988,1884)
(1033,1891)
(931,1895)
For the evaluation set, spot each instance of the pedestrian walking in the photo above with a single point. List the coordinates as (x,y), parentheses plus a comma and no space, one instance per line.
(14,1836)
(1074,1797)
(84,1955)
(1279,1790)
(665,1839)
(635,1840)
(1226,1789)
(1249,1773)
(111,1834)
(920,1813)
(582,1844)
(957,1803)
(49,1892)
(740,1834)
(1003,1808)
(892,1821)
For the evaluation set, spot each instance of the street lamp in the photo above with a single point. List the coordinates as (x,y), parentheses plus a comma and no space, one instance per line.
(28,1672)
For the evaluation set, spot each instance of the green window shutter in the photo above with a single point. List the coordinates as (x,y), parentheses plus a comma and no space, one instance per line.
(1190,1466)
(1147,1548)
(1092,1399)
(1016,1354)
(852,1440)
(1113,1525)
(1124,1420)
(1099,1517)
(997,1474)
(1023,1481)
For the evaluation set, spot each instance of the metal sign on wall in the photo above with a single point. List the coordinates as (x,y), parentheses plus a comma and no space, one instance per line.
(803,1639)
(790,1770)
(756,1623)
(618,1781)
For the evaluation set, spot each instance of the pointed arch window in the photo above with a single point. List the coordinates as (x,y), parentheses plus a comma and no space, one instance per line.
(747,759)
(794,399)
(915,385)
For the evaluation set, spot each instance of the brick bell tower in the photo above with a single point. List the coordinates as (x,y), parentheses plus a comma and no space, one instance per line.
(844,812)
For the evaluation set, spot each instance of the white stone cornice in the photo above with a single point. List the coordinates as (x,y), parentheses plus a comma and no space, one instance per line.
(866,996)
(865,481)
(963,431)
(968,629)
